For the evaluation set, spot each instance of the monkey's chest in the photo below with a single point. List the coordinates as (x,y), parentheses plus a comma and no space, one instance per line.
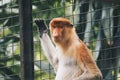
(67,68)
(67,61)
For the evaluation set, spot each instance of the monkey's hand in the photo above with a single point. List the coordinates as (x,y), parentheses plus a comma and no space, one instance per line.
(42,27)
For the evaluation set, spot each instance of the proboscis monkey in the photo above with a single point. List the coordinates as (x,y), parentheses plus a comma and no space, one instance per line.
(70,57)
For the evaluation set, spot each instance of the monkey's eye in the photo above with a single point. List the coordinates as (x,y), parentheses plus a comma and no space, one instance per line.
(60,26)
(53,26)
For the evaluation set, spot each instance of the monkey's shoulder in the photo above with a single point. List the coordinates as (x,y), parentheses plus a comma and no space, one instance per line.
(81,47)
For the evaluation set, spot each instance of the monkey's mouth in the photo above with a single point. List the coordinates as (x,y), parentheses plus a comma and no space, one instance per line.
(56,39)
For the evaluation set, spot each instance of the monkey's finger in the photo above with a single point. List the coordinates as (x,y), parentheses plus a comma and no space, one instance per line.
(40,23)
(42,27)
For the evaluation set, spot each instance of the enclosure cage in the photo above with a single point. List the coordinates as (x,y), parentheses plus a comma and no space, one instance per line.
(97,23)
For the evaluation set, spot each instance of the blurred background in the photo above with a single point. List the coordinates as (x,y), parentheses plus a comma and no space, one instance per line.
(97,23)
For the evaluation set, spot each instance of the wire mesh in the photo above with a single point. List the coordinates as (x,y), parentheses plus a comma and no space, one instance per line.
(9,41)
(97,24)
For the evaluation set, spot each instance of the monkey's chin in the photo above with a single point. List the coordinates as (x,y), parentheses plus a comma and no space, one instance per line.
(57,40)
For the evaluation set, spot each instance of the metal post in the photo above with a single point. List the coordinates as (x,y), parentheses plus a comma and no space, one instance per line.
(26,40)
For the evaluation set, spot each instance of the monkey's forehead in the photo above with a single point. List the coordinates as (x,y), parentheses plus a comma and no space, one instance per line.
(60,21)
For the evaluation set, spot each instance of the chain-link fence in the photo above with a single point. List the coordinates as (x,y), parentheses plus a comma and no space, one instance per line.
(9,40)
(97,24)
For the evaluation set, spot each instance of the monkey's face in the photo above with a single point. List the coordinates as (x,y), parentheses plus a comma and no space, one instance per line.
(57,33)
(60,30)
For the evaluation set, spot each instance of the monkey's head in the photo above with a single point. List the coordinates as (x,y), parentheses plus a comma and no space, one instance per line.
(60,30)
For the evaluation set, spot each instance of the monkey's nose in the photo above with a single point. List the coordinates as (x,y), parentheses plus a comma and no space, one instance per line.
(55,34)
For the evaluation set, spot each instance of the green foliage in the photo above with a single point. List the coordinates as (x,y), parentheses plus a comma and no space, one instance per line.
(101,33)
(10,35)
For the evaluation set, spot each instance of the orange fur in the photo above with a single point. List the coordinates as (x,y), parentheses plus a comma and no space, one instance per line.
(64,36)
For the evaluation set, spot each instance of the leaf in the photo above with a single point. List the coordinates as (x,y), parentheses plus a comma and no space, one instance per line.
(98,45)
(7,72)
(89,24)
(107,21)
(5,22)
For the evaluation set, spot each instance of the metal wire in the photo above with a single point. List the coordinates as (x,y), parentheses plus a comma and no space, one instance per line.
(10,66)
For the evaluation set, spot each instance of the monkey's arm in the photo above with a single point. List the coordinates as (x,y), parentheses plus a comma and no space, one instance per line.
(89,67)
(48,47)
(46,43)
